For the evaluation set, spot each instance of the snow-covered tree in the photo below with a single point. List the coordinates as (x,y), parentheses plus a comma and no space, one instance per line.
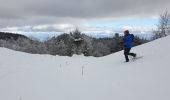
(163,27)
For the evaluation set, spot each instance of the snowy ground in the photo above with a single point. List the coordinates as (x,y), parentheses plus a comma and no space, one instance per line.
(43,77)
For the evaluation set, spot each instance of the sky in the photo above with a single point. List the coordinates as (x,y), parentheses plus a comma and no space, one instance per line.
(88,15)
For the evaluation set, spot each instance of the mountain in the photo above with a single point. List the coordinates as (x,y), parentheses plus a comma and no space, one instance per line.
(9,36)
(26,76)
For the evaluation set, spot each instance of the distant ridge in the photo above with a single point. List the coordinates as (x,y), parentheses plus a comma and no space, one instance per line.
(7,35)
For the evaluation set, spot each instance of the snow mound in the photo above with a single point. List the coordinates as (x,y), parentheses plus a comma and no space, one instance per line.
(43,77)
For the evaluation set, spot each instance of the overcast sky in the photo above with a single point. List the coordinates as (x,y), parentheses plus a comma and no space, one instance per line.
(88,15)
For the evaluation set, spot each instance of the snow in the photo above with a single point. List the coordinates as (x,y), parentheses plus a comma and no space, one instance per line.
(26,76)
(78,39)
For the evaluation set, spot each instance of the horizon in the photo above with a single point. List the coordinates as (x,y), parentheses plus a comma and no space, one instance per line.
(43,36)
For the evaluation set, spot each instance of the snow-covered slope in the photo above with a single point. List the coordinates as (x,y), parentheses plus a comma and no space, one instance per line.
(43,77)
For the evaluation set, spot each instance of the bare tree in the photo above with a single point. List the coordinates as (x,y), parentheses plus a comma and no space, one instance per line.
(163,27)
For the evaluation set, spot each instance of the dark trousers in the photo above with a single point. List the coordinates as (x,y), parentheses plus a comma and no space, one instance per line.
(127,52)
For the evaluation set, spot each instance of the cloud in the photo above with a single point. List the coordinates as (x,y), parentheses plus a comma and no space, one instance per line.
(140,29)
(47,14)
(41,28)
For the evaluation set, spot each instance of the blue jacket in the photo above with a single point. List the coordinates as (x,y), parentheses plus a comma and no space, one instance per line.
(128,42)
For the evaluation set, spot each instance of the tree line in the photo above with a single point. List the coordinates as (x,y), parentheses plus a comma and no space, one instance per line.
(66,44)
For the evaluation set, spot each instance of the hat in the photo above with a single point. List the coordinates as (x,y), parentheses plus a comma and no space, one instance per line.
(126,31)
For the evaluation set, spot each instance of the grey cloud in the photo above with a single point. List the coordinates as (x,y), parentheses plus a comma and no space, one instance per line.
(23,12)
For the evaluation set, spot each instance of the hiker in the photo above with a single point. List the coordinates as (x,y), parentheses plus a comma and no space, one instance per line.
(128,43)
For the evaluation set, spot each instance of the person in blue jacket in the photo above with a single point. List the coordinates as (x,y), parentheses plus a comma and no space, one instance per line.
(128,44)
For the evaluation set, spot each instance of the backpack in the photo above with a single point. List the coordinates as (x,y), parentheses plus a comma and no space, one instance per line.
(132,37)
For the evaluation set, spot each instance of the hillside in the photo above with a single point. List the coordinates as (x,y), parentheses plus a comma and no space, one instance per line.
(43,77)
(9,36)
